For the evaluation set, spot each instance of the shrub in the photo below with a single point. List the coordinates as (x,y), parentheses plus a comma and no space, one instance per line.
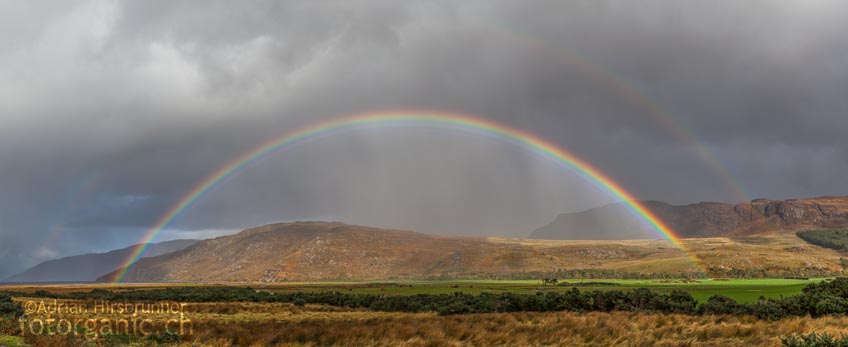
(831,305)
(830,238)
(8,308)
(815,340)
(718,304)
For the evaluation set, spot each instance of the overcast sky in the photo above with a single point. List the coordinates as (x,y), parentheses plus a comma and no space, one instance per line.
(112,110)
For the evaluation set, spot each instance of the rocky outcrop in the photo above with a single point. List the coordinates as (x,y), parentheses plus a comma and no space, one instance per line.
(706,219)
(822,212)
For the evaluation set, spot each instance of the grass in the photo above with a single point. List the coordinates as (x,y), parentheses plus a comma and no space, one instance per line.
(281,324)
(740,290)
(519,329)
(11,341)
(270,324)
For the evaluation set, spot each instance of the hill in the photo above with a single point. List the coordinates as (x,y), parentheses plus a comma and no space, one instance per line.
(705,219)
(88,267)
(309,251)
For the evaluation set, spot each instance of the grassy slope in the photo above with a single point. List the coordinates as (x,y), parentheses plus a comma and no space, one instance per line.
(776,250)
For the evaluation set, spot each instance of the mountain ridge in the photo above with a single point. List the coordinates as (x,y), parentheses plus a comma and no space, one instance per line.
(88,267)
(703,219)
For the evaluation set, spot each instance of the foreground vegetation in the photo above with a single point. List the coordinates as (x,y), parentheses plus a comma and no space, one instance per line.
(816,299)
(613,316)
(742,290)
(815,340)
(278,325)
(830,238)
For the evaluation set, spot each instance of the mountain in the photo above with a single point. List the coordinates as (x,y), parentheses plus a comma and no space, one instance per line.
(88,267)
(335,251)
(705,219)
(310,251)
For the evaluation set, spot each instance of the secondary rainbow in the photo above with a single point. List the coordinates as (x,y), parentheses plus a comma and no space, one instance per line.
(398,118)
(630,93)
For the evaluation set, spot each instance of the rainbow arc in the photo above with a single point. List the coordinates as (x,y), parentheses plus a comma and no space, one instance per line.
(396,118)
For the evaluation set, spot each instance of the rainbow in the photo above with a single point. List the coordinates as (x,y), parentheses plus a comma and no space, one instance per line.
(628,92)
(396,118)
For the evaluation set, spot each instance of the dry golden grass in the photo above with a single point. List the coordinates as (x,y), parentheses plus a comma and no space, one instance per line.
(258,324)
(513,329)
(775,250)
(779,249)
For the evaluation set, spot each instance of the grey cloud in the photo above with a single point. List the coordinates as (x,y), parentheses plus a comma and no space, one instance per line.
(110,111)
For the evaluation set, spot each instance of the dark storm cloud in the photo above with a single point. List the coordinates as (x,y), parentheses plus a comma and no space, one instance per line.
(113,110)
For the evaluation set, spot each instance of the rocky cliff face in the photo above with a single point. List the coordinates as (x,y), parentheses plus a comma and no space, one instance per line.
(706,219)
(822,212)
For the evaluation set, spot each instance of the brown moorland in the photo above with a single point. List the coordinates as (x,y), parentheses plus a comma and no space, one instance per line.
(310,251)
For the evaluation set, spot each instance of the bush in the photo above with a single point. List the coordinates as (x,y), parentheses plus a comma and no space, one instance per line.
(831,305)
(768,309)
(454,308)
(165,337)
(681,302)
(718,304)
(830,238)
(814,340)
(8,308)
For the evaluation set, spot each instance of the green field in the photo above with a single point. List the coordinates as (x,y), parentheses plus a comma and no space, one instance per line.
(742,290)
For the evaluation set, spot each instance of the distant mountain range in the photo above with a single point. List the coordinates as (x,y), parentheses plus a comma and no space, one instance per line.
(88,267)
(705,219)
